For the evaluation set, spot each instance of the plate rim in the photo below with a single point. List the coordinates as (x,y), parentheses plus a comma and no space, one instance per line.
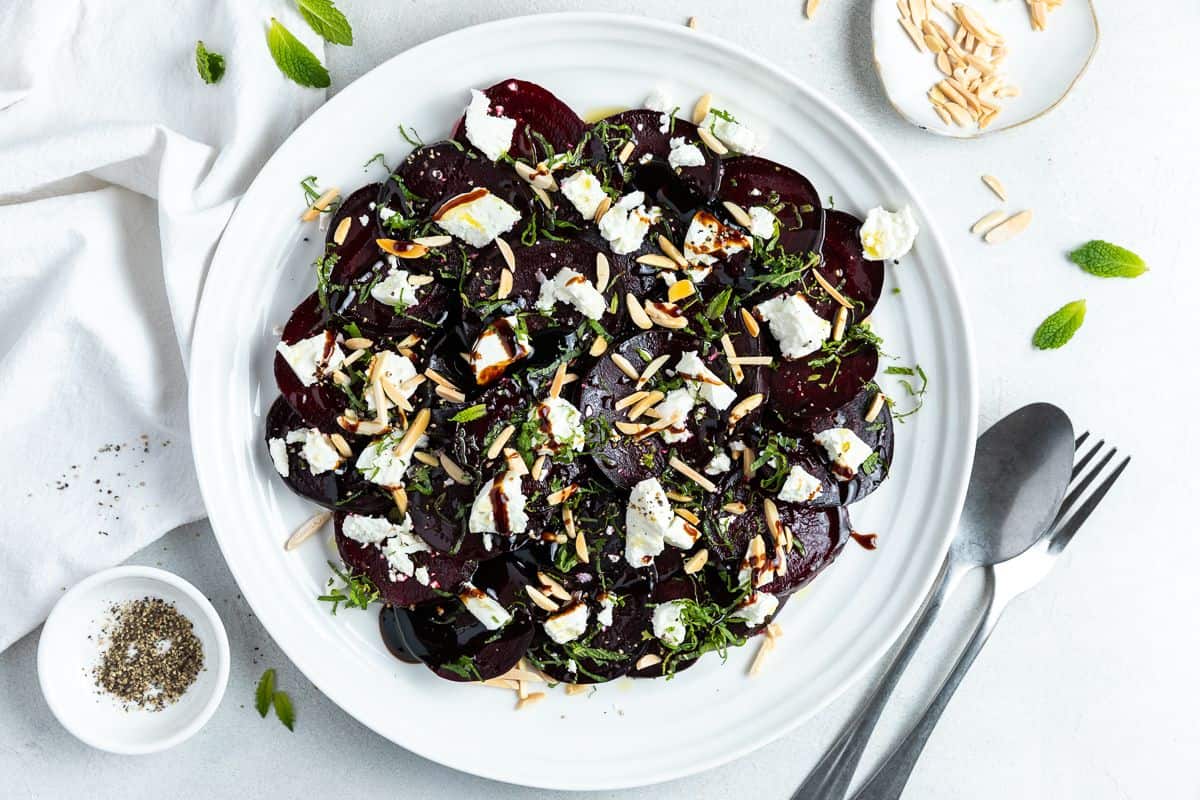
(966,386)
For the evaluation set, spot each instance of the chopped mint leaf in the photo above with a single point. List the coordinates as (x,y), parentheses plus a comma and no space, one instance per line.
(294,59)
(210,65)
(284,710)
(470,413)
(1107,260)
(1059,327)
(329,23)
(264,692)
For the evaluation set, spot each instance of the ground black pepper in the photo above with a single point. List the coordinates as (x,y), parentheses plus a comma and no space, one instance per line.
(153,655)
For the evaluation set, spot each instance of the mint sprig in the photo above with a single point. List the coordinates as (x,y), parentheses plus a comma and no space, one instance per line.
(329,23)
(264,692)
(294,59)
(284,710)
(210,65)
(1107,260)
(1059,327)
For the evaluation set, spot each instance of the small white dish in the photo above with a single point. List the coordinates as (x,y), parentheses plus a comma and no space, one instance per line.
(66,657)
(1044,65)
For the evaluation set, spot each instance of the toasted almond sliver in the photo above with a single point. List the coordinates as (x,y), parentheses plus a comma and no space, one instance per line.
(428,459)
(688,515)
(358,343)
(506,252)
(988,221)
(687,471)
(599,345)
(540,600)
(433,241)
(1009,228)
(450,395)
(876,406)
(738,213)
(341,231)
(539,464)
(562,495)
(771,513)
(319,205)
(439,379)
(976,25)
(752,361)
(736,507)
(602,209)
(839,323)
(657,261)
(652,369)
(364,427)
(415,430)
(623,364)
(680,290)
(731,355)
(400,249)
(838,297)
(676,497)
(501,440)
(810,8)
(602,272)
(700,111)
(533,697)
(696,562)
(750,323)
(711,142)
(944,115)
(572,689)
(671,251)
(453,470)
(744,407)
(995,185)
(760,658)
(560,375)
(917,39)
(626,152)
(581,548)
(400,498)
(498,683)
(341,378)
(630,428)
(630,400)
(307,529)
(661,314)
(541,195)
(341,445)
(637,313)
(648,660)
(960,115)
(748,463)
(553,587)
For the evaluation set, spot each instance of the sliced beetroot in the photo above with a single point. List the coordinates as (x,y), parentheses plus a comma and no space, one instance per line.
(321,403)
(843,265)
(879,435)
(808,386)
(752,181)
(345,488)
(457,646)
(538,114)
(445,571)
(681,587)
(426,174)
(818,536)
(358,235)
(504,402)
(351,296)
(726,535)
(605,652)
(681,190)
(440,518)
(783,452)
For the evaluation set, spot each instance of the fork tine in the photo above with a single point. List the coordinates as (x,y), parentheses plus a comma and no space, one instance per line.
(1082,438)
(1062,537)
(1074,495)
(1083,462)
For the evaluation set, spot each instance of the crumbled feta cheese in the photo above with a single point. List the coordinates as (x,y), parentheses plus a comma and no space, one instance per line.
(364,220)
(794,325)
(708,240)
(481,605)
(888,235)
(399,549)
(372,530)
(506,496)
(318,450)
(762,222)
(569,286)
(668,623)
(385,213)
(660,100)
(502,343)
(395,369)
(704,382)
(477,217)
(664,123)
(647,518)
(604,615)
(379,463)
(311,358)
(624,226)
(491,134)
(676,406)
(720,464)
(279,456)
(567,625)
(845,449)
(395,290)
(560,426)
(681,534)
(684,154)
(800,486)
(584,191)
(755,610)
(734,135)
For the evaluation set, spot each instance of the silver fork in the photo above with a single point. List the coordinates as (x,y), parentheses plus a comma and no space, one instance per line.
(1006,581)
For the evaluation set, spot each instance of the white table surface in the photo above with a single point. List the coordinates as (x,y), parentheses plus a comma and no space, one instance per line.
(1087,690)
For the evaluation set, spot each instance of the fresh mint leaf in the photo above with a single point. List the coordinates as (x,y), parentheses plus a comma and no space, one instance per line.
(264,692)
(1059,327)
(329,23)
(470,414)
(210,65)
(284,710)
(1107,260)
(294,59)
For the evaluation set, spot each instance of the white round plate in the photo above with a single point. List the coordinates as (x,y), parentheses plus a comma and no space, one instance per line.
(630,732)
(1044,65)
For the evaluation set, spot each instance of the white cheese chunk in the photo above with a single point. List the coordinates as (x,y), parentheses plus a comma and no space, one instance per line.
(560,426)
(476,217)
(681,534)
(719,465)
(647,518)
(584,191)
(660,100)
(604,615)
(756,609)
(318,450)
(668,623)
(488,611)
(704,382)
(508,497)
(570,287)
(372,530)
(684,154)
(567,625)
(312,358)
(708,240)
(794,325)
(502,343)
(888,235)
(845,449)
(491,134)
(624,226)
(800,486)
(399,548)
(395,369)
(395,290)
(677,406)
(279,456)
(734,135)
(762,222)
(380,464)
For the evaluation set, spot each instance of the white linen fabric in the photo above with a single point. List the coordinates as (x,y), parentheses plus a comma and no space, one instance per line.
(119,168)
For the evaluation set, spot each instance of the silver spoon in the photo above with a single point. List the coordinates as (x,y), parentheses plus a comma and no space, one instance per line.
(1022,468)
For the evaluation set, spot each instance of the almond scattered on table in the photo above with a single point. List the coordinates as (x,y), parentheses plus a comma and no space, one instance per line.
(1038,9)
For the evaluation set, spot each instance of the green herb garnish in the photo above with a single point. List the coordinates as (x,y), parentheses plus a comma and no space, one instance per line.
(264,692)
(284,710)
(210,65)
(470,414)
(1107,260)
(294,59)
(329,23)
(357,592)
(1059,327)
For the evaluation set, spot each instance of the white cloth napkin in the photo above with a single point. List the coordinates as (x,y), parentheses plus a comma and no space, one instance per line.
(119,169)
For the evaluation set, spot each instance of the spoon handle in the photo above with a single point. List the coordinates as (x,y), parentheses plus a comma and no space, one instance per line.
(889,780)
(830,778)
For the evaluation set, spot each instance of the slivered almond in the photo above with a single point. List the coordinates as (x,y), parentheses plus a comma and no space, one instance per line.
(648,660)
(810,8)
(364,427)
(735,507)
(410,384)
(752,361)
(665,315)
(976,25)
(701,109)
(876,407)
(532,697)
(657,261)
(381,403)
(319,205)
(514,463)
(748,463)
(750,323)
(428,459)
(341,445)
(943,64)
(506,253)
(358,343)
(688,515)
(539,464)
(569,522)
(433,241)
(307,529)
(562,495)
(691,23)
(623,364)
(440,379)
(960,115)
(671,251)
(402,249)
(599,345)
(455,472)
(652,369)
(637,313)
(602,272)
(630,400)
(988,221)
(626,152)
(687,471)
(541,195)
(540,600)
(696,562)
(915,35)
(995,185)
(680,290)
(560,375)
(838,297)
(450,395)
(738,213)
(711,142)
(676,497)
(355,356)
(340,232)
(839,323)
(771,514)
(1009,228)
(730,354)
(572,689)
(400,498)
(581,548)
(744,407)
(553,587)
(501,440)
(630,428)
(760,658)
(602,209)
(943,114)
(340,378)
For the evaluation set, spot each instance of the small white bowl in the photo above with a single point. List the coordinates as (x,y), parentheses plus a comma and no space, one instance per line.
(66,657)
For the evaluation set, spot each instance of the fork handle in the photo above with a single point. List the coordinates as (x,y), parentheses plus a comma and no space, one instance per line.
(830,778)
(889,780)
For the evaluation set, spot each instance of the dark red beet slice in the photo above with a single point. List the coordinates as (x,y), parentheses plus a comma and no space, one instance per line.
(319,404)
(795,450)
(427,174)
(457,646)
(345,488)
(878,434)
(445,572)
(610,651)
(681,191)
(753,181)
(367,267)
(799,388)
(358,235)
(535,109)
(681,587)
(843,265)
(440,519)
(504,402)
(818,536)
